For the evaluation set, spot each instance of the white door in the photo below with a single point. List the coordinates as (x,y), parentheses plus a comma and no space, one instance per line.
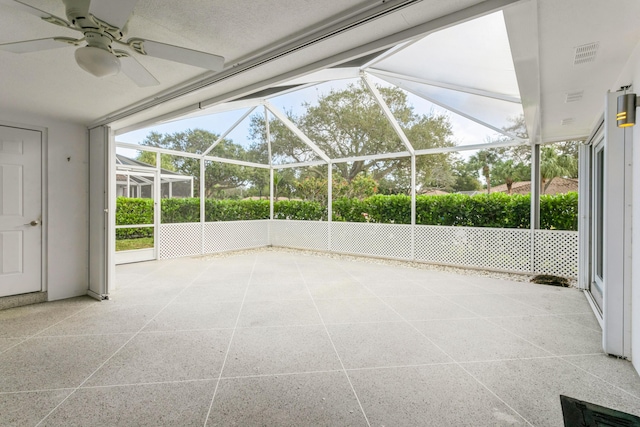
(20,211)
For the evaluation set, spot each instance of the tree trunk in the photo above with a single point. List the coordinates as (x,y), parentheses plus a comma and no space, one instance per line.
(487,176)
(509,183)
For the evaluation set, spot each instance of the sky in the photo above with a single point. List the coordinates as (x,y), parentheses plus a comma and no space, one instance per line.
(474,54)
(464,131)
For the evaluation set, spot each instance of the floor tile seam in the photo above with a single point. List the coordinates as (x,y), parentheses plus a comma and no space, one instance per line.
(233,333)
(389,367)
(562,316)
(477,316)
(147,383)
(21,340)
(42,337)
(540,310)
(110,357)
(634,396)
(30,337)
(281,374)
(168,262)
(44,390)
(458,364)
(528,305)
(489,319)
(495,394)
(335,349)
(519,359)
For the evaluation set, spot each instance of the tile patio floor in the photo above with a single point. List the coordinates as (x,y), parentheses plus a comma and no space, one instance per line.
(272,338)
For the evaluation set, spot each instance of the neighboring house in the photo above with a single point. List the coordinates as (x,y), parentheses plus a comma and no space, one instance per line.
(136,183)
(557,185)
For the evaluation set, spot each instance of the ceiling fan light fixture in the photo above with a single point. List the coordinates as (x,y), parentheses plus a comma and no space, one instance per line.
(96,61)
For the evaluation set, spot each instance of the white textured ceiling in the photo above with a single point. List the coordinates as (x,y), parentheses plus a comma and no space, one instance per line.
(543,35)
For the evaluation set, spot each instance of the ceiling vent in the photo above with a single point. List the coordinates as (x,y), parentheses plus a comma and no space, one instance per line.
(586,53)
(567,122)
(574,96)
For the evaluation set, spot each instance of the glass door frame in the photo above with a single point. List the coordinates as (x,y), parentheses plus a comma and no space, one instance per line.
(145,254)
(598,161)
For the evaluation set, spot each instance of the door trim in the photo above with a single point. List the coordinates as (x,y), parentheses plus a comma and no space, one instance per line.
(44,193)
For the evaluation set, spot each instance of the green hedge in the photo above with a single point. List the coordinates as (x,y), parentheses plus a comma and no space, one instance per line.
(483,210)
(299,210)
(133,211)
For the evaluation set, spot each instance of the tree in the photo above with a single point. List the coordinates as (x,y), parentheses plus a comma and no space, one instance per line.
(465,177)
(349,122)
(482,161)
(149,158)
(218,176)
(508,171)
(553,164)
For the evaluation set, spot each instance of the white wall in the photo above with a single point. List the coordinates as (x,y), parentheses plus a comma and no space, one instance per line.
(631,74)
(67,214)
(635,224)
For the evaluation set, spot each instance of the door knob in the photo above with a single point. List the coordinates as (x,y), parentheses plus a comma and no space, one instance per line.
(33,223)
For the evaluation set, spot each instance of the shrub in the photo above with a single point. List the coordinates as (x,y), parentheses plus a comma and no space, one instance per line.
(299,210)
(133,211)
(559,212)
(498,210)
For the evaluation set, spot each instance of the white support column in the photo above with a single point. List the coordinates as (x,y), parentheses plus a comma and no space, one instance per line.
(535,200)
(157,204)
(329,203)
(413,207)
(202,202)
(268,138)
(584,216)
(271,193)
(535,186)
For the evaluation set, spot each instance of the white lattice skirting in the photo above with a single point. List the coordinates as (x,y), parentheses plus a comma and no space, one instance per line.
(524,251)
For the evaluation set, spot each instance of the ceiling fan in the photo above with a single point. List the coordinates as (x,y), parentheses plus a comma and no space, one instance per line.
(102,23)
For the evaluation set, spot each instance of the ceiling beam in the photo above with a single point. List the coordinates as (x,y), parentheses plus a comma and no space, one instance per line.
(457,88)
(296,131)
(387,112)
(457,111)
(233,126)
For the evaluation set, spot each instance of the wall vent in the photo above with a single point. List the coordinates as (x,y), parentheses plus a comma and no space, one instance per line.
(573,96)
(567,122)
(586,53)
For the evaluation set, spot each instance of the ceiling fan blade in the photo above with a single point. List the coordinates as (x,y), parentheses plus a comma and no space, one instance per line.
(32,45)
(183,55)
(37,12)
(136,72)
(113,12)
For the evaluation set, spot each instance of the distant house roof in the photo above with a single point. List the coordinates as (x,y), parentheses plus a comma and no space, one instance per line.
(470,193)
(557,185)
(433,192)
(166,175)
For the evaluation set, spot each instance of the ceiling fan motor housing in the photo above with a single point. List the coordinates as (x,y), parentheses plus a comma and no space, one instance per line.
(97,57)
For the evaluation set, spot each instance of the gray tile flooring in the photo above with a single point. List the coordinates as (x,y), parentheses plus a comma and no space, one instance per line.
(280,338)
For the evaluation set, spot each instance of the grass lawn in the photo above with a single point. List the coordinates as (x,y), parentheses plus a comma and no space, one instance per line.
(130,244)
